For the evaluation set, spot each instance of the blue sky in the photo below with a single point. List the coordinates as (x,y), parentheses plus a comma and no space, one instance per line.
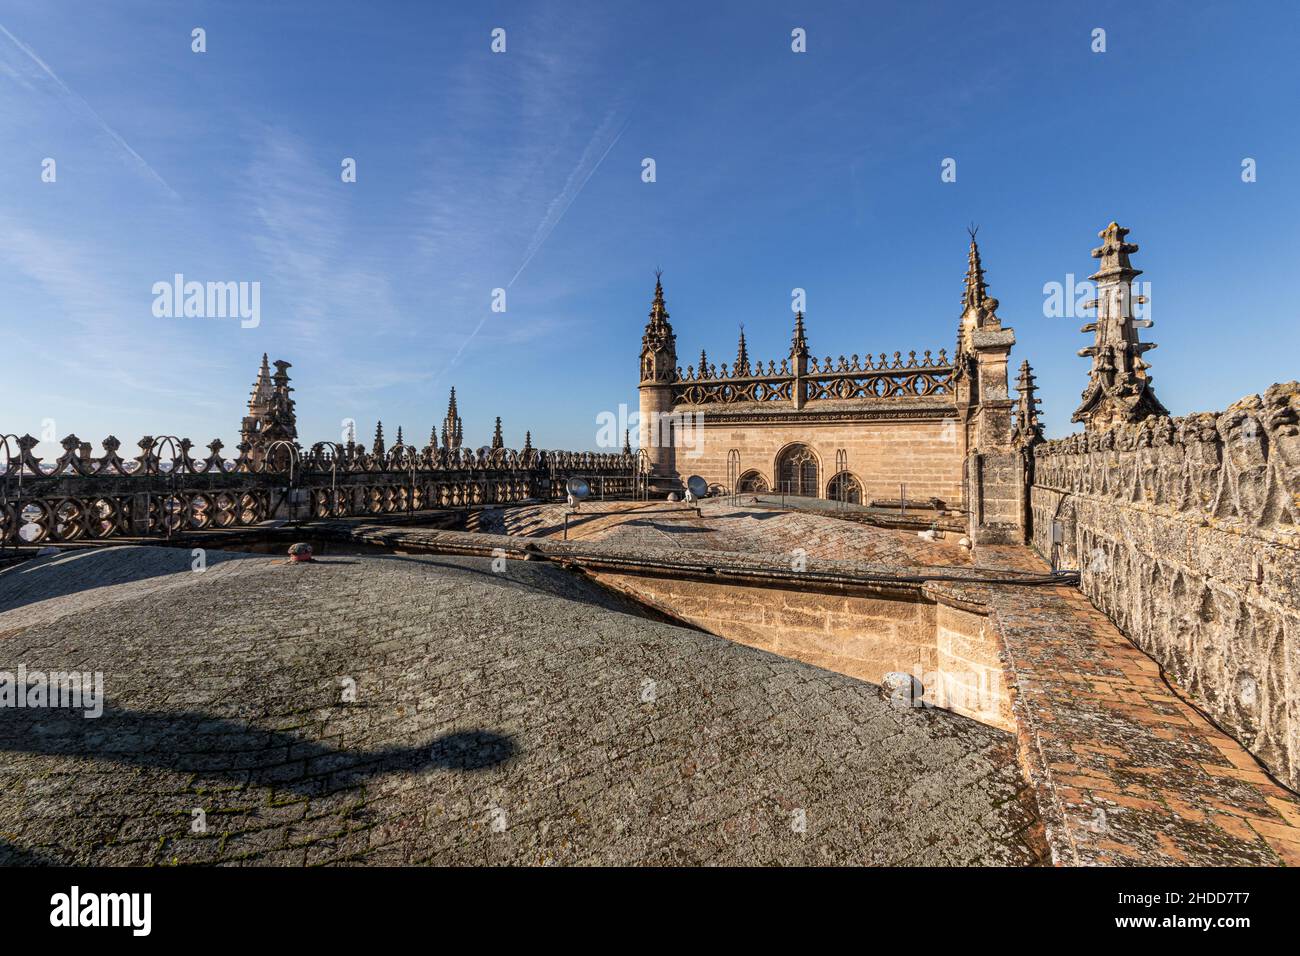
(476,170)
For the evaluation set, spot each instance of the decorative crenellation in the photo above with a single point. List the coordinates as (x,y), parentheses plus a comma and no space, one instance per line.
(851,363)
(1242,464)
(166,457)
(167,488)
(849,378)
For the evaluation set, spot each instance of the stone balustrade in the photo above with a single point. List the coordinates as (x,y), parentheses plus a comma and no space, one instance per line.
(167,489)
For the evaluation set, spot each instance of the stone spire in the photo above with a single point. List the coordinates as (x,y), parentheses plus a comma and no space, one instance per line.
(378,447)
(261,396)
(742,355)
(271,415)
(976,290)
(399,436)
(627,441)
(528,441)
(1028,430)
(799,342)
(658,344)
(433,437)
(1119,388)
(452,427)
(658,323)
(979,313)
(498,441)
(284,420)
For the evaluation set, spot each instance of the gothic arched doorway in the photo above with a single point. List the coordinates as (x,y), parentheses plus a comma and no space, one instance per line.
(796,471)
(751,483)
(844,487)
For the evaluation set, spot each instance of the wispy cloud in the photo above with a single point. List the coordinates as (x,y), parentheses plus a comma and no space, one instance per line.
(299,221)
(79,100)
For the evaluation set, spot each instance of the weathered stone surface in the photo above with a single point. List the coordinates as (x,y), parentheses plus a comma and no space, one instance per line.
(1185,533)
(513,717)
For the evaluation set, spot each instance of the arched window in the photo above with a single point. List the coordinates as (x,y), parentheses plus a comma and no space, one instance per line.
(751,483)
(796,471)
(844,487)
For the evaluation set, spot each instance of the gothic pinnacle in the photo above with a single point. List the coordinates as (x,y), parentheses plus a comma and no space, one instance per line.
(799,342)
(658,330)
(976,290)
(1028,429)
(1119,388)
(742,355)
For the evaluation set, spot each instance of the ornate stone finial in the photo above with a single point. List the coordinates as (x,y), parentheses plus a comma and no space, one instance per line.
(433,437)
(378,448)
(452,427)
(400,443)
(799,341)
(627,441)
(976,289)
(1119,388)
(528,441)
(1114,253)
(498,441)
(742,355)
(1028,429)
(704,365)
(658,311)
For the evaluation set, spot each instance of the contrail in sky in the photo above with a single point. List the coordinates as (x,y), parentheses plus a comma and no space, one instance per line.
(545,228)
(113,134)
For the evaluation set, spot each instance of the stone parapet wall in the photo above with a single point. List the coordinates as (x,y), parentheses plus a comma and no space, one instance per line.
(1185,534)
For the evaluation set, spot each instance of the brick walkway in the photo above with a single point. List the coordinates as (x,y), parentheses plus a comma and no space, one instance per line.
(1127,772)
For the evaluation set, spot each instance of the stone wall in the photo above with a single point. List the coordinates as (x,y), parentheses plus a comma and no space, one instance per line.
(1185,534)
(925,453)
(951,650)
